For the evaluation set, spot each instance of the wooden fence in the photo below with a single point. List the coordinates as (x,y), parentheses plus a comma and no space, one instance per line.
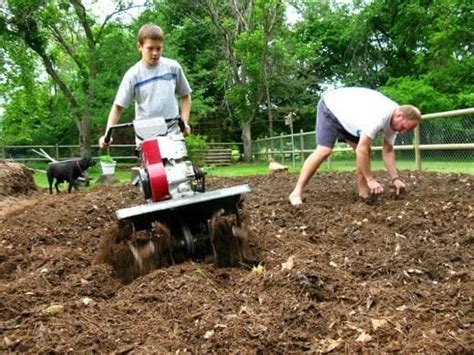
(218,154)
(294,146)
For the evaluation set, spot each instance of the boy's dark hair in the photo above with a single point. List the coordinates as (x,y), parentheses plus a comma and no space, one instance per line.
(150,31)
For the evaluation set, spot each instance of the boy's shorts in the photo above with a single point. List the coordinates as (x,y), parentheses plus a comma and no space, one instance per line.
(329,129)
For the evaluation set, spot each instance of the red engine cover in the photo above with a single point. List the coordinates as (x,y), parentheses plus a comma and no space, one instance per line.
(156,171)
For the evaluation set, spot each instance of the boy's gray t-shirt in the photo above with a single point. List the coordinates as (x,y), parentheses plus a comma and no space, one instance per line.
(154,89)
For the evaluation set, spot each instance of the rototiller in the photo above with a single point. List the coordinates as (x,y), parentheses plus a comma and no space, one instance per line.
(175,193)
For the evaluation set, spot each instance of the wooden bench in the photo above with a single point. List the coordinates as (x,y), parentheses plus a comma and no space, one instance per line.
(219,156)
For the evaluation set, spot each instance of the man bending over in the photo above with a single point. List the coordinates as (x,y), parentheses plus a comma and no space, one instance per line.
(357,115)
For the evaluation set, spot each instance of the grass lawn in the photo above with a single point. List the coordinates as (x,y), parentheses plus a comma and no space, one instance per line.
(246,169)
(122,173)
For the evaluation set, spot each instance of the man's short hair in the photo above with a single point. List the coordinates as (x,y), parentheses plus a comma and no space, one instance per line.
(410,112)
(150,31)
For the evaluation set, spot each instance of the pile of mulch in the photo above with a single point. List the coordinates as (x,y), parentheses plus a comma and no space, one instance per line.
(15,179)
(16,186)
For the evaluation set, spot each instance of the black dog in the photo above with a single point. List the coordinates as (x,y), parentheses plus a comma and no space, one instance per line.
(68,171)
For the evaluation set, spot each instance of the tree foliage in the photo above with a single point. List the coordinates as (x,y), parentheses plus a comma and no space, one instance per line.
(247,65)
(64,42)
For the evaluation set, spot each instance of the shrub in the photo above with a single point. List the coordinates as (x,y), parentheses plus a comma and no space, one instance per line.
(197,147)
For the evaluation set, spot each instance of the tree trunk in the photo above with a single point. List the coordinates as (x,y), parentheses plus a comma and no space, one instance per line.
(85,130)
(85,137)
(247,141)
(270,115)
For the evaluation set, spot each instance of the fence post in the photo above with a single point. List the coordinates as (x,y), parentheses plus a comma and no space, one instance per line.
(57,152)
(282,155)
(265,154)
(258,150)
(329,162)
(302,145)
(417,148)
(4,156)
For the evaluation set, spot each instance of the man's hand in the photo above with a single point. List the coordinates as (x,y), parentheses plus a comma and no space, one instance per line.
(399,186)
(374,187)
(102,144)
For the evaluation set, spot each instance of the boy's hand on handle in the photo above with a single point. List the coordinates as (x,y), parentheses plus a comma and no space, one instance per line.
(183,127)
(374,187)
(103,144)
(186,130)
(106,139)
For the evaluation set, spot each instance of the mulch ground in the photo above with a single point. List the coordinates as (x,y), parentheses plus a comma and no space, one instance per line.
(337,275)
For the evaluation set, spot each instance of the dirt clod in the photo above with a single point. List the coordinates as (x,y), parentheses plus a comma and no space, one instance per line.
(228,241)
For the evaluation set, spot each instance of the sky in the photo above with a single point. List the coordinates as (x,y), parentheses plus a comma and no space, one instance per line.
(102,8)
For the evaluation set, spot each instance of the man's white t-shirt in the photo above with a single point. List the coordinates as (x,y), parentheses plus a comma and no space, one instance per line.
(361,110)
(153,88)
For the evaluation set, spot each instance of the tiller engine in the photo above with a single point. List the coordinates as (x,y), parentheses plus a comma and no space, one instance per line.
(180,219)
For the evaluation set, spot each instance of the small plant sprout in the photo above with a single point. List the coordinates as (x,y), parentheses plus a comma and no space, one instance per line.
(258,269)
(200,271)
(106,159)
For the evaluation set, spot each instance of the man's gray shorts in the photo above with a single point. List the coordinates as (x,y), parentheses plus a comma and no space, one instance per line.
(329,129)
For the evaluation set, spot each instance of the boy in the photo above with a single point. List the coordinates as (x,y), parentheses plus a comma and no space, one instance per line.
(154,82)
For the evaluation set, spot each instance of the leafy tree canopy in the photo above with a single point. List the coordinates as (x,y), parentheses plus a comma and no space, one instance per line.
(247,66)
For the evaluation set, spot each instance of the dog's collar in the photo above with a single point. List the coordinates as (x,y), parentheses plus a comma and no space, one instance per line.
(79,167)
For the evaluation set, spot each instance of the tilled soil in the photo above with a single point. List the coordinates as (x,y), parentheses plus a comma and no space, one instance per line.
(336,274)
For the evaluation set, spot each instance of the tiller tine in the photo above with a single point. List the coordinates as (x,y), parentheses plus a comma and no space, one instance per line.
(200,225)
